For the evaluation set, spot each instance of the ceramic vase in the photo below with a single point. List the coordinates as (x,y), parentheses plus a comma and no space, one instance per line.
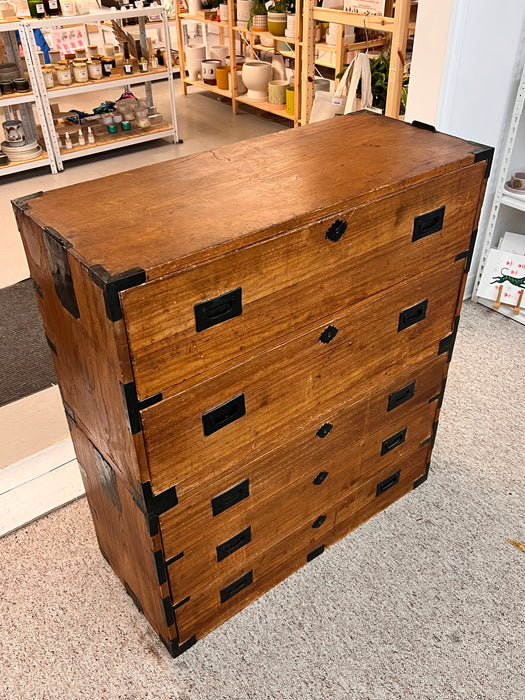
(195,54)
(194,6)
(277,93)
(244,8)
(277,23)
(219,52)
(208,70)
(290,100)
(290,26)
(256,75)
(222,75)
(278,67)
(223,12)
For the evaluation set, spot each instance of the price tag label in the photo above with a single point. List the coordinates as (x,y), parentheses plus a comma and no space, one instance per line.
(371,7)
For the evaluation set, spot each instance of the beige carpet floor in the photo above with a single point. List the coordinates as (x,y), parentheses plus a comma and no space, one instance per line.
(424,601)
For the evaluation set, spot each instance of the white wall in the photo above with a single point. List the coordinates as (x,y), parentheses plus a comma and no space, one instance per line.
(428,60)
(473,70)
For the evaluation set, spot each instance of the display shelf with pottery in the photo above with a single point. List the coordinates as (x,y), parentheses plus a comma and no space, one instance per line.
(266,107)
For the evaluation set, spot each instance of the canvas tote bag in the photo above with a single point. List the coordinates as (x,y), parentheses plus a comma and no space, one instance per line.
(344,100)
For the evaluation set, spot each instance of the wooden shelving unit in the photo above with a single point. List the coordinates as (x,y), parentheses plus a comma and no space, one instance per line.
(249,40)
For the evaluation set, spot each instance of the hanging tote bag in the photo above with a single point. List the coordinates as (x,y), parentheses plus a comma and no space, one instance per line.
(344,100)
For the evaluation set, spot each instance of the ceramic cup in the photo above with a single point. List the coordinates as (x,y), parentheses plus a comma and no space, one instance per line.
(14,131)
(277,93)
(208,70)
(517,182)
(290,100)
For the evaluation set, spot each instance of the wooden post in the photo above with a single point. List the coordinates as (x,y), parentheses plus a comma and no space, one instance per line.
(306,78)
(233,54)
(397,58)
(180,46)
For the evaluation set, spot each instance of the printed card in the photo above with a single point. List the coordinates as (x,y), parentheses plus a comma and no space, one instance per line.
(503,269)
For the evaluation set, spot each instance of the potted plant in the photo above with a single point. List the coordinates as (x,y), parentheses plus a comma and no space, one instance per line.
(258,17)
(277,17)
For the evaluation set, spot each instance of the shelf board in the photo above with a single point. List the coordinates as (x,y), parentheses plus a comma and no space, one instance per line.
(357,46)
(265,106)
(101,16)
(112,81)
(211,88)
(17,98)
(268,35)
(194,18)
(21,166)
(513,200)
(107,142)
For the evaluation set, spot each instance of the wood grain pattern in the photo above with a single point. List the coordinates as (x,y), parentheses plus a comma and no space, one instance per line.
(204,610)
(276,512)
(91,358)
(347,451)
(289,280)
(297,381)
(123,535)
(166,216)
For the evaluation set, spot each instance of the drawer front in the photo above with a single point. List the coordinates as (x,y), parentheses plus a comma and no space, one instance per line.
(319,456)
(261,520)
(261,402)
(205,608)
(185,325)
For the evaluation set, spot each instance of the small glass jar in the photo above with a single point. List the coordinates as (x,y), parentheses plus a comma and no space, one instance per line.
(64,75)
(80,72)
(143,65)
(36,9)
(49,77)
(153,63)
(126,126)
(94,70)
(54,56)
(107,119)
(92,50)
(80,54)
(107,66)
(68,8)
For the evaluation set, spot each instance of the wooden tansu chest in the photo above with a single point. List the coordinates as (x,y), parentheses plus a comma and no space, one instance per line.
(252,346)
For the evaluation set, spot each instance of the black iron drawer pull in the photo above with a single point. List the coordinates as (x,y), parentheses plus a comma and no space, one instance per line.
(210,313)
(328,334)
(234,543)
(387,483)
(320,520)
(428,223)
(398,397)
(393,441)
(320,478)
(336,230)
(237,586)
(230,497)
(223,415)
(415,314)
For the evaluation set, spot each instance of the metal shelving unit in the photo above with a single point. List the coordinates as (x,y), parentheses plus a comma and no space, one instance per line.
(508,210)
(135,136)
(26,102)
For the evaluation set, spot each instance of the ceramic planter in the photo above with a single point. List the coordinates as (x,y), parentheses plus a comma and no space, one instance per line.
(222,74)
(256,75)
(219,52)
(244,8)
(290,100)
(209,70)
(277,93)
(260,23)
(290,27)
(277,23)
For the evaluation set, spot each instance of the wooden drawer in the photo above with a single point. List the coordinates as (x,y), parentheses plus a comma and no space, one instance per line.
(264,518)
(345,445)
(205,608)
(273,394)
(268,291)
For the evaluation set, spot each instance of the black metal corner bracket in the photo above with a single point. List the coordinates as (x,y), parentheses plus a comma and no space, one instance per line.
(422,478)
(133,407)
(111,285)
(160,566)
(423,125)
(168,611)
(315,553)
(447,343)
(21,203)
(57,247)
(176,649)
(483,153)
(156,505)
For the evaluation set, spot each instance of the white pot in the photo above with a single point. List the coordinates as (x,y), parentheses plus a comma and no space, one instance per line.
(290,26)
(194,68)
(223,12)
(208,70)
(219,52)
(244,7)
(195,51)
(331,34)
(194,6)
(256,75)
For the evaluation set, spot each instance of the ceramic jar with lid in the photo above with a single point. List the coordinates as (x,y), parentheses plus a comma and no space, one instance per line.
(80,72)
(94,70)
(63,75)
(49,77)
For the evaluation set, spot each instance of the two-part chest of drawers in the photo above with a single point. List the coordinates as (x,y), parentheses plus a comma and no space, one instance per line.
(252,346)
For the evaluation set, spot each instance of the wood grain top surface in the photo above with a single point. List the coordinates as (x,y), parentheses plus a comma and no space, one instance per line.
(167,216)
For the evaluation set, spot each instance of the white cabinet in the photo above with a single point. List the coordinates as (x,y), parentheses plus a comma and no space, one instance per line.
(507,216)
